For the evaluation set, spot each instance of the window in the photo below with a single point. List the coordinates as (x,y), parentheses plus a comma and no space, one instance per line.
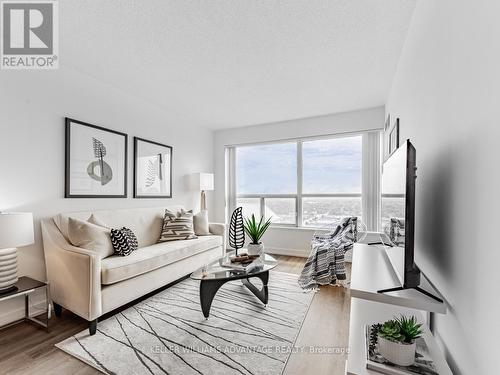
(267,169)
(332,166)
(322,211)
(250,206)
(281,210)
(310,183)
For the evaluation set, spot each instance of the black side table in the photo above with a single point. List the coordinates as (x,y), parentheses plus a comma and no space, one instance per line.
(26,286)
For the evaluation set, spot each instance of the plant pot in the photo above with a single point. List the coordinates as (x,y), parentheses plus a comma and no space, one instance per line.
(398,353)
(255,249)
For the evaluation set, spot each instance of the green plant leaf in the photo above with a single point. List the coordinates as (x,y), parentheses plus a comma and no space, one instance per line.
(255,230)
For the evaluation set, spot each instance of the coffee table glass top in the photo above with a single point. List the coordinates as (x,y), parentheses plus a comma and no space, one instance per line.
(215,271)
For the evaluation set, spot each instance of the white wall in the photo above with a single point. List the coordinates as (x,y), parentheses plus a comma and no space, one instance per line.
(32,110)
(288,241)
(446,92)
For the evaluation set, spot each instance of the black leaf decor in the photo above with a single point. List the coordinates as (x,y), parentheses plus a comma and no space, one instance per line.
(236,231)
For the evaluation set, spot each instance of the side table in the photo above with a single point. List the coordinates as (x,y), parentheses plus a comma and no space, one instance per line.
(26,286)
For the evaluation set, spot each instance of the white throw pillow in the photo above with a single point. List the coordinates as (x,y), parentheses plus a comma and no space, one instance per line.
(61,222)
(200,221)
(95,220)
(90,236)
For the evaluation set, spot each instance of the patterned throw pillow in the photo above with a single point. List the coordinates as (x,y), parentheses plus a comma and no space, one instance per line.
(177,226)
(124,241)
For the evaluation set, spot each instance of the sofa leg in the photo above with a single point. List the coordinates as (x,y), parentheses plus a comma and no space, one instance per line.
(93,327)
(57,310)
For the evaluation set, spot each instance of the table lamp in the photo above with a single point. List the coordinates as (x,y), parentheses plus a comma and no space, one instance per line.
(204,182)
(16,230)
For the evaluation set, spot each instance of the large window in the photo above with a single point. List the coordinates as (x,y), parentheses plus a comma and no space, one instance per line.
(310,183)
(267,169)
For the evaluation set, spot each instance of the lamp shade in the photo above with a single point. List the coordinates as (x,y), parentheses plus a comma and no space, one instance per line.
(204,181)
(16,229)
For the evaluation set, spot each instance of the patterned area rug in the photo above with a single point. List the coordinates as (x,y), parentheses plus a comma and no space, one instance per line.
(167,333)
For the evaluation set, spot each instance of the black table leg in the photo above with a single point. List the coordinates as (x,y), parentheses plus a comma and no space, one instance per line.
(208,289)
(261,294)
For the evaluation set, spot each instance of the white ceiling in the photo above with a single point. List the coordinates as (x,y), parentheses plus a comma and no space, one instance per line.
(230,63)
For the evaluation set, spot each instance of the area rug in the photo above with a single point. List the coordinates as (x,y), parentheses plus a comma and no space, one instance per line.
(167,333)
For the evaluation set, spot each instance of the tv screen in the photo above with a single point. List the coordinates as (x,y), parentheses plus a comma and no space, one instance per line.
(398,212)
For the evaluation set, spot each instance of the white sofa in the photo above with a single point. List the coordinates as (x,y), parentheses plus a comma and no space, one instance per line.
(89,286)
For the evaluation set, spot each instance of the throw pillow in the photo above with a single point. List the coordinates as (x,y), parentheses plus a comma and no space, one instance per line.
(177,226)
(95,220)
(90,236)
(124,241)
(61,222)
(200,221)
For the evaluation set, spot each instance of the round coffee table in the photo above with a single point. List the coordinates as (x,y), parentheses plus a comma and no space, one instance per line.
(214,275)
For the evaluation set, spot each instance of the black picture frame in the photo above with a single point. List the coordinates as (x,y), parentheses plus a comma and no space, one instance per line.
(394,138)
(69,122)
(139,195)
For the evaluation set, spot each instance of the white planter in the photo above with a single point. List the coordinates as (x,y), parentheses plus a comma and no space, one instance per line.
(254,249)
(397,353)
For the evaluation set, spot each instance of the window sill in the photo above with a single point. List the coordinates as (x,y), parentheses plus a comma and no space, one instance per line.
(315,229)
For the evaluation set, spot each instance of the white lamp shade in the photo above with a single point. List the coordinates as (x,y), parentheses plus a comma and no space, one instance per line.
(16,229)
(203,181)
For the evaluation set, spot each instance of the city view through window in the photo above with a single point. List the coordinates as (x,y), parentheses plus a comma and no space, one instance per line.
(311,183)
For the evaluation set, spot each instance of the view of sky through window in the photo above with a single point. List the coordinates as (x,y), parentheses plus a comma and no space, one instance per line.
(267,169)
(332,165)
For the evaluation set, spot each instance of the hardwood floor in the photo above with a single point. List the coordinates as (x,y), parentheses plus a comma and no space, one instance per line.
(27,349)
(326,327)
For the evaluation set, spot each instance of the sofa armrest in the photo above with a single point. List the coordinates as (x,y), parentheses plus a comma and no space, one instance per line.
(219,229)
(74,274)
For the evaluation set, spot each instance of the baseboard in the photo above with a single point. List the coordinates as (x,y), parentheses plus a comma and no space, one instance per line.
(301,253)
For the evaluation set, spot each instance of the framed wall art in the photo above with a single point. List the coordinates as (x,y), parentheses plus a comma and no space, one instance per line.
(394,137)
(152,169)
(96,161)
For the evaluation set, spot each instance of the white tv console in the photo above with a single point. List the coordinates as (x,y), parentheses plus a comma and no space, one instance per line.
(372,271)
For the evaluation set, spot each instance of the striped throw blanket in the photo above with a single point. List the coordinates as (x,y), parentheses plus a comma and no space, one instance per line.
(326,263)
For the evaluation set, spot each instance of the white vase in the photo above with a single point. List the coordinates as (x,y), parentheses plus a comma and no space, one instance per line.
(396,352)
(254,249)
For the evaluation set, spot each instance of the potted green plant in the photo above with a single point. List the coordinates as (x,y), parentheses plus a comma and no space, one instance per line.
(255,230)
(396,341)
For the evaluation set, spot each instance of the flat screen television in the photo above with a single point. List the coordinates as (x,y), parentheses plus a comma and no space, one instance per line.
(398,213)
(398,217)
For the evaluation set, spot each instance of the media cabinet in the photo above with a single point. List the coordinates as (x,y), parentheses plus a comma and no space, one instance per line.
(372,271)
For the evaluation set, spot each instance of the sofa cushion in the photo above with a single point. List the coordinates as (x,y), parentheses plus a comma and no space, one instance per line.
(90,236)
(116,268)
(146,223)
(97,221)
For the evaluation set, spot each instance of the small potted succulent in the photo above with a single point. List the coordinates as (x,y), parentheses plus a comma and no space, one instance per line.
(255,230)
(396,340)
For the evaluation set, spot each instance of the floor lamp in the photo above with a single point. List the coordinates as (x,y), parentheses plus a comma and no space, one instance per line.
(16,230)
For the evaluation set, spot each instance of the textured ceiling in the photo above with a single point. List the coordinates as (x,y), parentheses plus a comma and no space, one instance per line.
(229,63)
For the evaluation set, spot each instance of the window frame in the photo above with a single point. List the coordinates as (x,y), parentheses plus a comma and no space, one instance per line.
(300,195)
